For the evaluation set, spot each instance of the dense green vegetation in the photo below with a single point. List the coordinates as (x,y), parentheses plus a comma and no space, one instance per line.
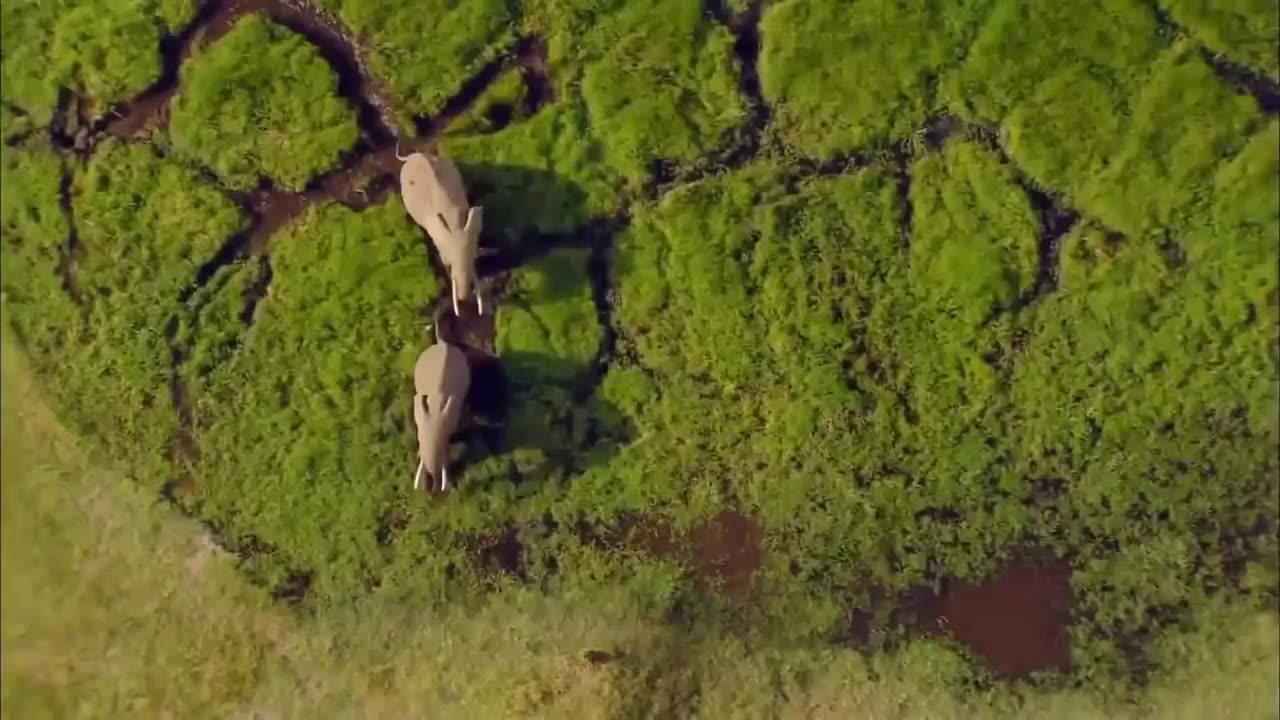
(424,51)
(1038,314)
(145,224)
(825,67)
(326,494)
(1244,31)
(103,51)
(275,116)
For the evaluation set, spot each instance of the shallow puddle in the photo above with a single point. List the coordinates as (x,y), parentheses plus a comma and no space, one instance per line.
(1017,620)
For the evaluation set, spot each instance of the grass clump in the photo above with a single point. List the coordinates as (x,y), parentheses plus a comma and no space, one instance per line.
(1246,31)
(548,311)
(973,242)
(1185,122)
(38,307)
(660,83)
(261,103)
(842,76)
(35,226)
(425,51)
(305,455)
(104,51)
(1062,105)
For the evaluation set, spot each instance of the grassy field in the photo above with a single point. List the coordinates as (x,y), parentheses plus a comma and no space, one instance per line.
(102,587)
(806,312)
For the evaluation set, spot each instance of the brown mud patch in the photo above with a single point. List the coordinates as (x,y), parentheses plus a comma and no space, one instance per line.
(1017,620)
(531,57)
(724,551)
(728,548)
(256,291)
(469,329)
(502,553)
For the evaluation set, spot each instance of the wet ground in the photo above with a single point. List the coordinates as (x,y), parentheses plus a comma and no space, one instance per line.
(1017,620)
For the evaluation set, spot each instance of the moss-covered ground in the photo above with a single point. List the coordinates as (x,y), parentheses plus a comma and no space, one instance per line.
(801,307)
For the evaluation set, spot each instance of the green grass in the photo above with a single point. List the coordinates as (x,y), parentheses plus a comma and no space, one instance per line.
(105,51)
(286,453)
(424,51)
(1159,174)
(260,103)
(1102,113)
(1246,32)
(812,320)
(548,337)
(843,76)
(551,313)
(542,175)
(144,225)
(659,81)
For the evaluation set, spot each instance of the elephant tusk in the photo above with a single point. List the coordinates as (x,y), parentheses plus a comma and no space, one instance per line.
(479,302)
(417,477)
(398,156)
(453,291)
(444,478)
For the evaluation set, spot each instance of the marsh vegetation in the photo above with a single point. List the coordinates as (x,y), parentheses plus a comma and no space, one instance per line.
(815,324)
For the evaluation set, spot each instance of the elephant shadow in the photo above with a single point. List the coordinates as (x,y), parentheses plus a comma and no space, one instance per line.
(530,416)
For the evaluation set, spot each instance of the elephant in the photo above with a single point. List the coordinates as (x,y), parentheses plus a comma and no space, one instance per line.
(441,378)
(432,190)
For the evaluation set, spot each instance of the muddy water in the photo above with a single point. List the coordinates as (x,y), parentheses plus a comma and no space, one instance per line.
(1017,620)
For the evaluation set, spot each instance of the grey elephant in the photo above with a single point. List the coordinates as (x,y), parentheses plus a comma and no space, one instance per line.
(432,190)
(441,379)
